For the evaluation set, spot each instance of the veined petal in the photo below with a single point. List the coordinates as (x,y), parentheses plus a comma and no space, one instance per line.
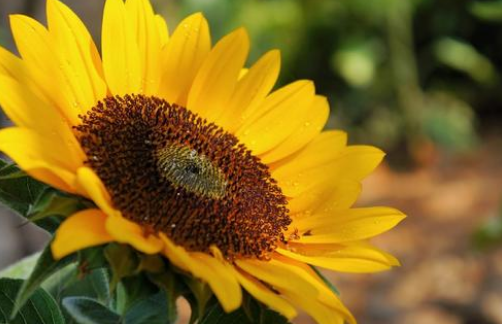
(77,55)
(126,231)
(284,95)
(90,185)
(347,225)
(34,162)
(26,109)
(217,274)
(79,231)
(55,166)
(265,295)
(217,77)
(183,56)
(10,64)
(323,149)
(142,18)
(35,45)
(251,90)
(121,54)
(121,229)
(162,30)
(354,257)
(353,163)
(298,285)
(283,116)
(325,197)
(311,124)
(36,148)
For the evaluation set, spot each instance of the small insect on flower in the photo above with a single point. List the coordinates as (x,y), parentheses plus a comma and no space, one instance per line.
(188,155)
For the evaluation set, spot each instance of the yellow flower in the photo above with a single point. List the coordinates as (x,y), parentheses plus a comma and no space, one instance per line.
(187,154)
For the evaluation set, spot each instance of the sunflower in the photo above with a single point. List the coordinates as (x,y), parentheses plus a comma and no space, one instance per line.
(187,154)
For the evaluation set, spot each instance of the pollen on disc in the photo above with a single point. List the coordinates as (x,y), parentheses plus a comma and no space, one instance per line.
(171,171)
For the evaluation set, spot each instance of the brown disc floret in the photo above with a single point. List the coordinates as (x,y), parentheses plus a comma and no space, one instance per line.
(171,171)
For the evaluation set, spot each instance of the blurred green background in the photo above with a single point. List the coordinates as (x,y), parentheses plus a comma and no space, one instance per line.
(404,75)
(420,79)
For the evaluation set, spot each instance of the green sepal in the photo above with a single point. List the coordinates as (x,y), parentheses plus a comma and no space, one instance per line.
(199,298)
(41,308)
(123,262)
(52,202)
(92,258)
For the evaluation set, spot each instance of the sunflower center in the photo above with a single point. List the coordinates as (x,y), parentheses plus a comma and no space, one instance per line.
(171,171)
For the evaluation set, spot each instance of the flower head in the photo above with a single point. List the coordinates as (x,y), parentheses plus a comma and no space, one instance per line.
(187,154)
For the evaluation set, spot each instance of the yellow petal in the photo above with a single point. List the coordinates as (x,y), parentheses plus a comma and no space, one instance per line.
(325,197)
(251,90)
(128,232)
(90,185)
(76,54)
(121,54)
(183,56)
(36,48)
(326,296)
(284,115)
(321,313)
(347,225)
(290,92)
(10,64)
(55,166)
(243,73)
(300,287)
(357,258)
(310,126)
(265,295)
(162,30)
(26,109)
(217,77)
(352,163)
(324,148)
(79,231)
(218,275)
(148,40)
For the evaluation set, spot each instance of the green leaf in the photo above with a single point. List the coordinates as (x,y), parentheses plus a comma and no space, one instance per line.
(150,310)
(173,287)
(123,262)
(45,266)
(132,290)
(251,313)
(10,171)
(35,200)
(41,308)
(94,284)
(21,269)
(18,191)
(85,310)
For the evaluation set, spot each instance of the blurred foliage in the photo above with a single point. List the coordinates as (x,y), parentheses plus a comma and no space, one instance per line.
(397,73)
(489,233)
